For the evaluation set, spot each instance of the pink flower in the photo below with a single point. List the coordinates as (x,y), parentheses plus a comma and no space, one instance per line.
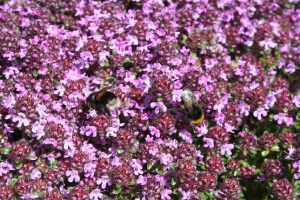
(35,174)
(5,167)
(290,68)
(136,164)
(73,176)
(154,131)
(21,119)
(296,101)
(142,180)
(226,149)
(89,169)
(209,143)
(89,131)
(166,159)
(96,194)
(159,106)
(268,43)
(104,181)
(165,194)
(259,113)
(280,117)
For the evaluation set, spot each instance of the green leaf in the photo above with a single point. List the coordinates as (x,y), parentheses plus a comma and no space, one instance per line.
(173,182)
(159,99)
(198,30)
(265,153)
(173,166)
(120,151)
(31,155)
(5,150)
(53,163)
(12,182)
(35,73)
(275,148)
(133,150)
(117,191)
(149,166)
(19,165)
(184,39)
(203,45)
(193,54)
(244,163)
(106,64)
(126,60)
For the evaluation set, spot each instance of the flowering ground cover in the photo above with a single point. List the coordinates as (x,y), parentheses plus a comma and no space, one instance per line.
(240,58)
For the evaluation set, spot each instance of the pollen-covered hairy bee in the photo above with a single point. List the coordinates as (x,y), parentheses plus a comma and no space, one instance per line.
(103,100)
(192,107)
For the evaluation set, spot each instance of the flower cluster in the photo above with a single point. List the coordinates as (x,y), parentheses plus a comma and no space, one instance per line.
(240,58)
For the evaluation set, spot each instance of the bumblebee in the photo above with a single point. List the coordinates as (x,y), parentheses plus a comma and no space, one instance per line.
(192,107)
(103,100)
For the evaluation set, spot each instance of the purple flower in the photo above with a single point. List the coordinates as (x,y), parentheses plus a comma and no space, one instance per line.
(138,168)
(270,101)
(283,118)
(166,159)
(89,131)
(159,106)
(104,181)
(35,174)
(96,194)
(268,44)
(296,166)
(209,143)
(154,131)
(226,149)
(296,101)
(9,101)
(165,194)
(73,176)
(186,136)
(89,169)
(259,113)
(290,68)
(21,119)
(290,152)
(142,180)
(5,167)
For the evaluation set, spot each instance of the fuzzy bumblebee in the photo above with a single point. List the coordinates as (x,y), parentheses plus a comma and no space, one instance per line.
(103,100)
(192,107)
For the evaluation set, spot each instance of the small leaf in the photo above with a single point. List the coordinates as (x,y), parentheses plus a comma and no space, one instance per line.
(12,182)
(149,166)
(203,45)
(120,151)
(106,64)
(53,163)
(133,150)
(173,166)
(117,191)
(5,150)
(126,60)
(265,153)
(244,163)
(19,165)
(275,148)
(193,54)
(198,30)
(184,39)
(173,182)
(35,73)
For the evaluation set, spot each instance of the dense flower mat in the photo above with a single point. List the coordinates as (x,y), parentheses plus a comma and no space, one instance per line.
(240,58)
